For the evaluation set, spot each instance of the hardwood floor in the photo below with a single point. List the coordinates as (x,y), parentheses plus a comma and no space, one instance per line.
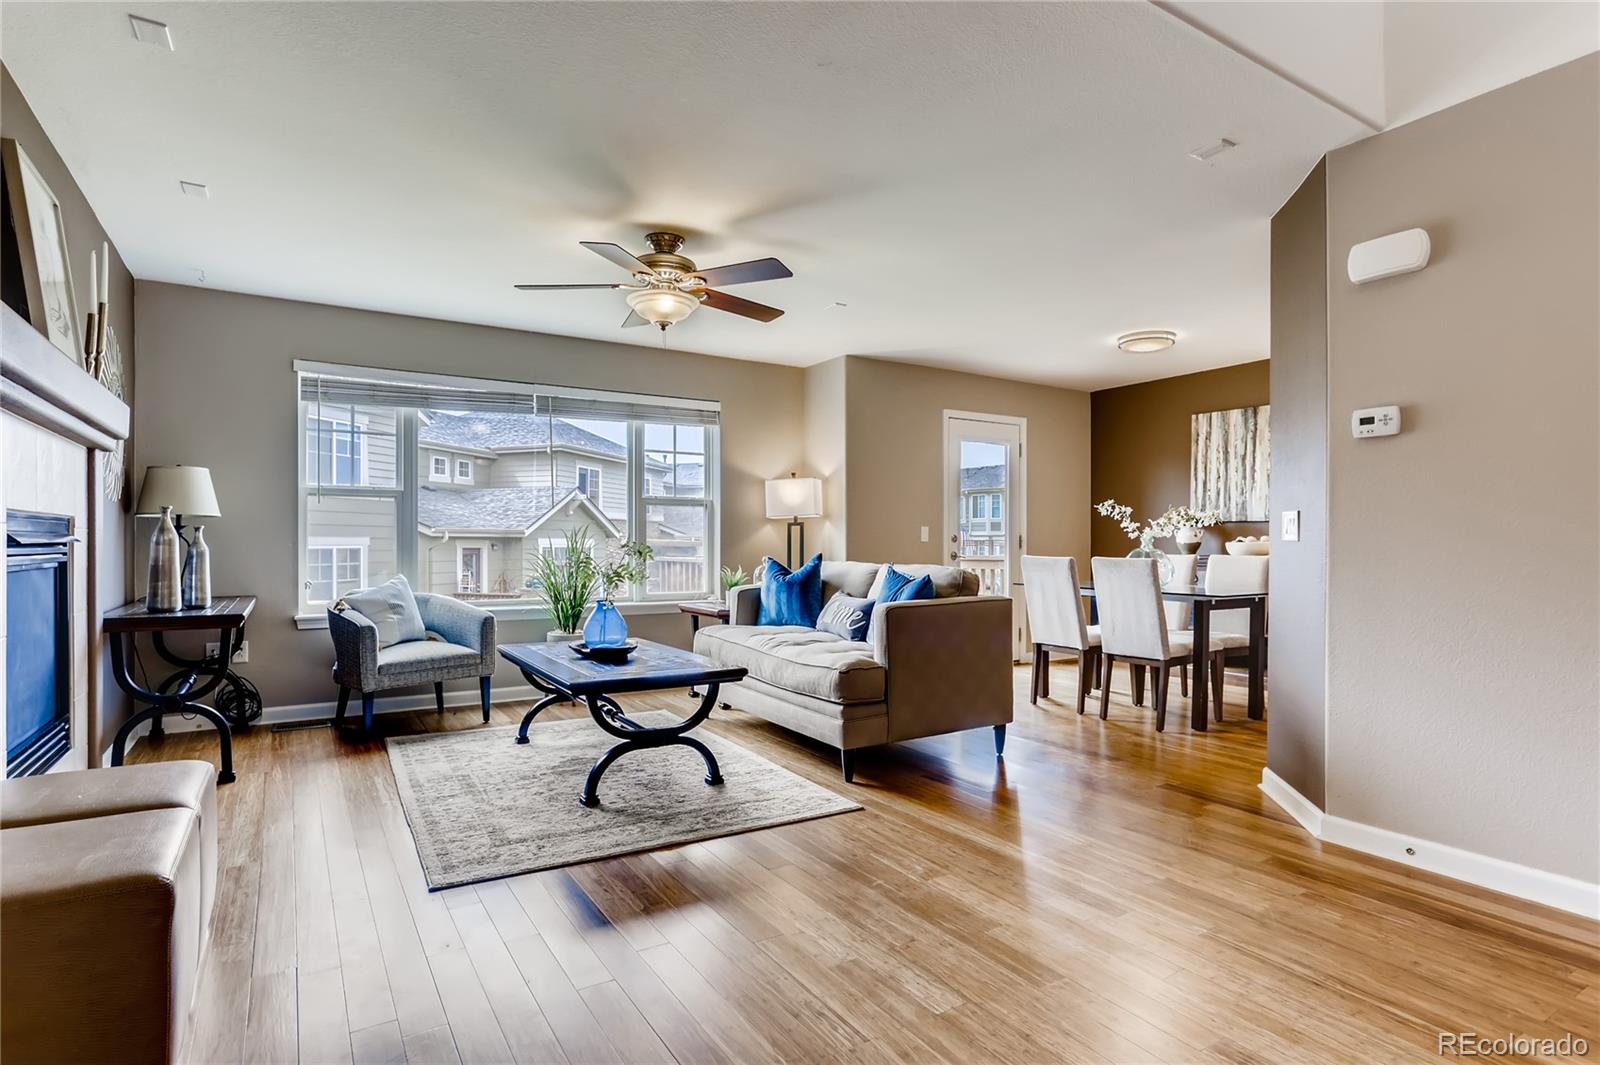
(1104,894)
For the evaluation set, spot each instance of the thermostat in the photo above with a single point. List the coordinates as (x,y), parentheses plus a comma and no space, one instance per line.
(1375,421)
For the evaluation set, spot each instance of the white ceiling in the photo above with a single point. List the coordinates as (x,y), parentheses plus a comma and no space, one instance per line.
(1000,188)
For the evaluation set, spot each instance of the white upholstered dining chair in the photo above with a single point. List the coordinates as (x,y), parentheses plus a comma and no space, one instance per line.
(1055,616)
(1234,575)
(1180,613)
(1133,629)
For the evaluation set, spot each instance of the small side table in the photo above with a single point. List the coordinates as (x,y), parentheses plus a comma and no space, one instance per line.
(227,615)
(703,608)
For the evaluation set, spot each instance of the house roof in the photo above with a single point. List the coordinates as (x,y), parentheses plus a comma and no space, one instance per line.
(983,477)
(505,432)
(499,510)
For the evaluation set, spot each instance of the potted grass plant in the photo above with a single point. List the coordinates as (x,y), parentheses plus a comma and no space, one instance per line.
(567,581)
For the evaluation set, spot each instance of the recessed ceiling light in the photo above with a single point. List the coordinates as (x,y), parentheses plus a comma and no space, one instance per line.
(1202,154)
(195,189)
(1146,340)
(149,31)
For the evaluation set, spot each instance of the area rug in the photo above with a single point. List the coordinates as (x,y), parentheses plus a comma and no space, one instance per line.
(481,806)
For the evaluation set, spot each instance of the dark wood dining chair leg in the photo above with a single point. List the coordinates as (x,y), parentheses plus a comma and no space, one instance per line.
(1033,689)
(1258,660)
(1216,686)
(438,696)
(1086,670)
(1161,677)
(1044,677)
(1137,672)
(1202,654)
(1105,685)
(1183,680)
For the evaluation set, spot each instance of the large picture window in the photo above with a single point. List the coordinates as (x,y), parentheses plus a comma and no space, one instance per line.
(460,483)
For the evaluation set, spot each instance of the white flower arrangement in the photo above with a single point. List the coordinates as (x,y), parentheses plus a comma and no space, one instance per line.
(1166,524)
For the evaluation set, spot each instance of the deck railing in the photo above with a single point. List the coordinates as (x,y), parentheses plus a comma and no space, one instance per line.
(991,571)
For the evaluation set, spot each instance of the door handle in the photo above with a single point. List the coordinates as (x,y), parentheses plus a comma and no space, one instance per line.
(952,556)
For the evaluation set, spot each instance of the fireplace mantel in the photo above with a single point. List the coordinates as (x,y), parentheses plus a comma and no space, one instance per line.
(41,385)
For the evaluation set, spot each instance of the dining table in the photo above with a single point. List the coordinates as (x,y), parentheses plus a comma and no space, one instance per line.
(1203,603)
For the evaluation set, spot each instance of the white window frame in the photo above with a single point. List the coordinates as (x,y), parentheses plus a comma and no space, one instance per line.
(334,544)
(408,481)
(465,478)
(434,474)
(639,504)
(596,479)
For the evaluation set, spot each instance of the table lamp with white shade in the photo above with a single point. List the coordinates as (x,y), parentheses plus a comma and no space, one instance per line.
(187,492)
(794,498)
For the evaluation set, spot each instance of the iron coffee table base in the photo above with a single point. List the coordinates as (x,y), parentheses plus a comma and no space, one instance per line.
(607,713)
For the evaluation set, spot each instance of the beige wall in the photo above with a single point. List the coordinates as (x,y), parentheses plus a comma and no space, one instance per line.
(1298,576)
(1462,569)
(895,426)
(219,392)
(110,584)
(825,452)
(1140,446)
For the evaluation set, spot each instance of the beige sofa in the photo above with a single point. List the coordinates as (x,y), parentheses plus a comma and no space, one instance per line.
(105,902)
(933,666)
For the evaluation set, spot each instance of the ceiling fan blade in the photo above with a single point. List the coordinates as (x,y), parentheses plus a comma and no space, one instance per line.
(632,320)
(743,273)
(618,254)
(551,288)
(734,305)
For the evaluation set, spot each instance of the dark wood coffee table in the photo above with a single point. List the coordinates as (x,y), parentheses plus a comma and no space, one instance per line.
(556,670)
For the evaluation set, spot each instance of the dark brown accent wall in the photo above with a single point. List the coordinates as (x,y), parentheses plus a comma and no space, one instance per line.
(1139,454)
(1296,731)
(109,576)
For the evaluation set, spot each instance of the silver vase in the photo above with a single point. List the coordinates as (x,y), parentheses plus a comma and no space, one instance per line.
(197,571)
(164,593)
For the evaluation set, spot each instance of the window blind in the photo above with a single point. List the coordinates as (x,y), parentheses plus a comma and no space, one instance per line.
(619,406)
(360,386)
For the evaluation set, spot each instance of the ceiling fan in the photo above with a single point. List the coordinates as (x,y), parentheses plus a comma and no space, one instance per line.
(667,287)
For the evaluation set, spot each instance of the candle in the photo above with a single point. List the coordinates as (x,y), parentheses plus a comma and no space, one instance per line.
(94,281)
(105,271)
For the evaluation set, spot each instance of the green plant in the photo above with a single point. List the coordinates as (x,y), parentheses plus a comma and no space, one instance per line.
(626,563)
(567,581)
(733,578)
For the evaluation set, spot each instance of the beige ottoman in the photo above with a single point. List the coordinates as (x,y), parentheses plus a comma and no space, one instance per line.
(100,945)
(186,785)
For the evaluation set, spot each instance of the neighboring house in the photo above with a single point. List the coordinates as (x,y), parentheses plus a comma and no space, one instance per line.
(983,512)
(493,491)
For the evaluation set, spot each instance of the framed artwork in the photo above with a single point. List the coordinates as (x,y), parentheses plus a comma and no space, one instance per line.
(1229,452)
(42,249)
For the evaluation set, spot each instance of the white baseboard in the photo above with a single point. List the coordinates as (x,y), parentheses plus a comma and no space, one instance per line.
(389,704)
(1521,881)
(1293,803)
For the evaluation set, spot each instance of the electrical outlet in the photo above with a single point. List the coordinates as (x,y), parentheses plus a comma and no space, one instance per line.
(240,656)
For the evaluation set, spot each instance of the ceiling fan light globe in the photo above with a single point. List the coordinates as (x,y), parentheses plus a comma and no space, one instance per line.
(662,306)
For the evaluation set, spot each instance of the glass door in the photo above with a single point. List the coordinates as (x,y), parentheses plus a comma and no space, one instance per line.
(985,505)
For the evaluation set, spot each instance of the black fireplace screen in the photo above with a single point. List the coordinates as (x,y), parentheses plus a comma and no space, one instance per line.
(38,641)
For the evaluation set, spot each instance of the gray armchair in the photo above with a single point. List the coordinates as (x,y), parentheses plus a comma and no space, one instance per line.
(460,643)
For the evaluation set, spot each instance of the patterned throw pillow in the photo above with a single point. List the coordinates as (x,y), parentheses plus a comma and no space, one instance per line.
(899,587)
(846,616)
(790,598)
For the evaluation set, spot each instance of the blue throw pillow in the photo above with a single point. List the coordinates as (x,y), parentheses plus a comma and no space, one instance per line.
(791,598)
(846,616)
(899,587)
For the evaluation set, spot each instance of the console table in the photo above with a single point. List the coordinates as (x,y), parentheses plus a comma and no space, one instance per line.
(198,677)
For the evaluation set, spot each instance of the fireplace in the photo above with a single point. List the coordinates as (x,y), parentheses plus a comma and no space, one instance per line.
(39,634)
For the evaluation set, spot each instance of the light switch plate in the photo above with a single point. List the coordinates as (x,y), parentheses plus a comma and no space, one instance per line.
(924,534)
(1291,527)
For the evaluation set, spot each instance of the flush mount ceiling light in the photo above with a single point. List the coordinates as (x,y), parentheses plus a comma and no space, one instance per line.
(1147,340)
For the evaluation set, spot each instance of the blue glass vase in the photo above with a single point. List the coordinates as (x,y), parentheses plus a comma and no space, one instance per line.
(605,627)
